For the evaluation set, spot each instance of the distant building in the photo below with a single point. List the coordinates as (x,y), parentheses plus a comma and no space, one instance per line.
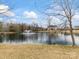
(52,27)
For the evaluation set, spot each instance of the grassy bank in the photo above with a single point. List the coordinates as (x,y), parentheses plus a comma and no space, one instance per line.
(38,52)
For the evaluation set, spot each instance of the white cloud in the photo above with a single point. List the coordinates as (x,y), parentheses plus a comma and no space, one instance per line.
(76,17)
(30,14)
(9,13)
(5,10)
(55,21)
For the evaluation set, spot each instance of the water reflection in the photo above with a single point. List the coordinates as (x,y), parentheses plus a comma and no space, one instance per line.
(52,38)
(38,38)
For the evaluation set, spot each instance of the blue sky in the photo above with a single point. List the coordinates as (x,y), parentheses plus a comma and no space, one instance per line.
(34,7)
(20,6)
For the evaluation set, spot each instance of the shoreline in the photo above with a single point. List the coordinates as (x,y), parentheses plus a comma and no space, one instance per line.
(63,31)
(7,32)
(52,31)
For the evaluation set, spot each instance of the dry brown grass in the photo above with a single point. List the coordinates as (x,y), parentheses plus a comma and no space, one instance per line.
(38,52)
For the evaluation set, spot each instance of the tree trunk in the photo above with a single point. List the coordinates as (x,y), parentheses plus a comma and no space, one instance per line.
(71,32)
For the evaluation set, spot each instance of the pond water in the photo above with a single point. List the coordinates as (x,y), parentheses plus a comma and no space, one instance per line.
(38,38)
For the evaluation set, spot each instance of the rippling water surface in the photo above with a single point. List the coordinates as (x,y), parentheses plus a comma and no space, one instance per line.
(38,38)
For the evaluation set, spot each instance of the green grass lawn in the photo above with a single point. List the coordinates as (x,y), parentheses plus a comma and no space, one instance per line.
(38,52)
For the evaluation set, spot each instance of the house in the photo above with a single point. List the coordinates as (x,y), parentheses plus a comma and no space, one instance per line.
(52,27)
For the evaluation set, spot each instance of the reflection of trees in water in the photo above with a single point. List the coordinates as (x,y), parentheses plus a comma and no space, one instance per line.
(56,39)
(31,37)
(52,38)
(1,38)
(42,37)
(18,38)
(4,37)
(48,38)
(11,37)
(49,41)
(65,38)
(14,37)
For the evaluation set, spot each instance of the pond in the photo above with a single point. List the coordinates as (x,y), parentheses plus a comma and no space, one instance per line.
(38,38)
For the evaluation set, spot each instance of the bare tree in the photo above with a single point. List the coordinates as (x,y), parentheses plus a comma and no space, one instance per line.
(63,9)
(68,13)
